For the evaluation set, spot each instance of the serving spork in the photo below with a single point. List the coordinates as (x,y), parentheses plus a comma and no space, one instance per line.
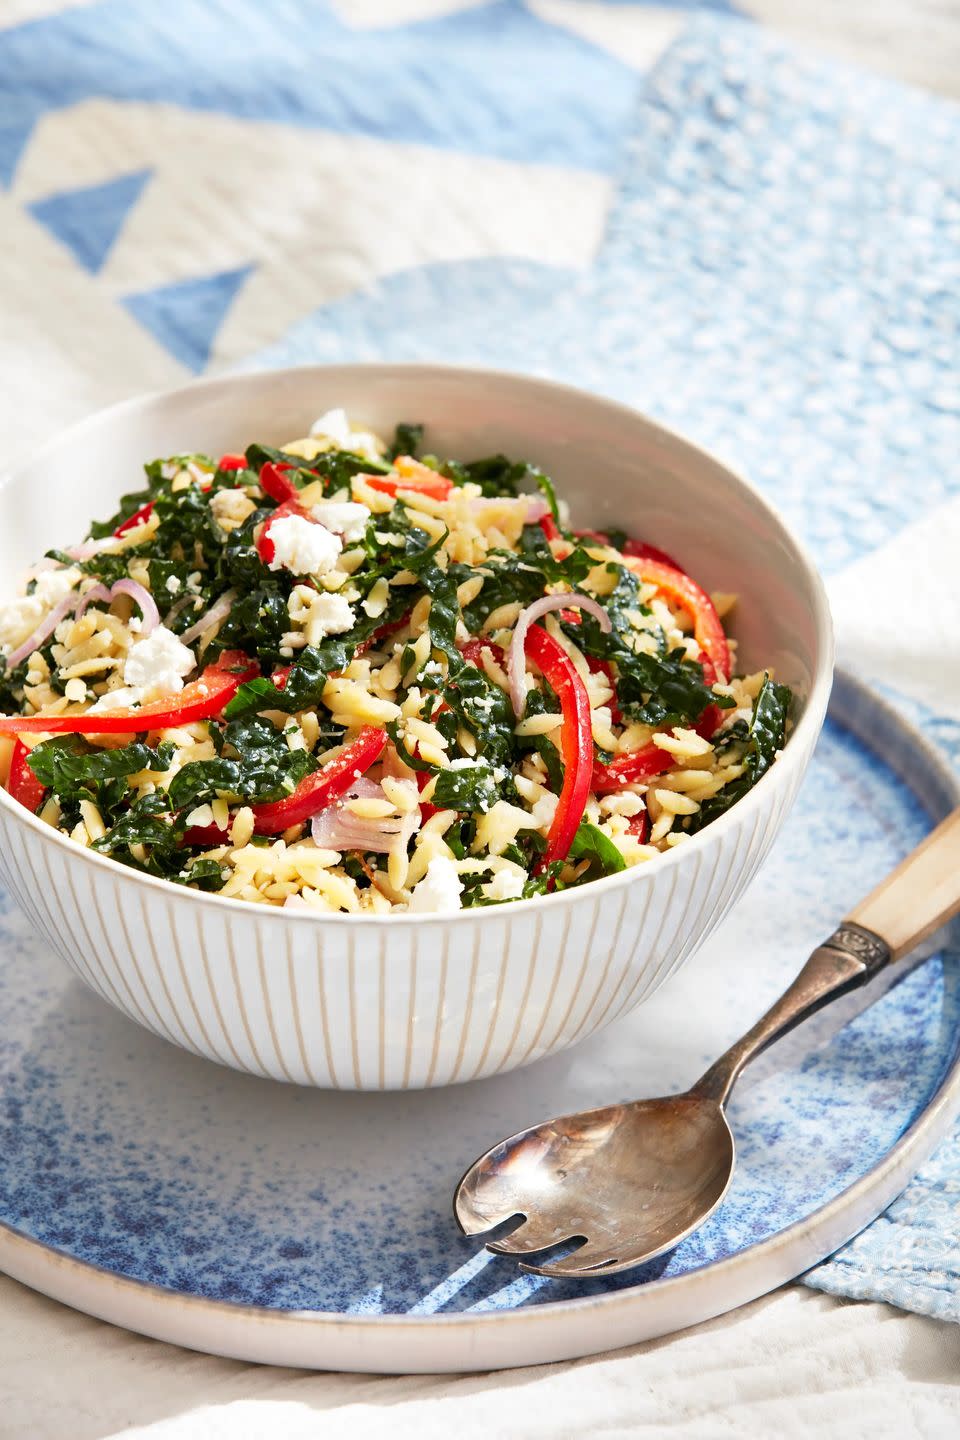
(631,1181)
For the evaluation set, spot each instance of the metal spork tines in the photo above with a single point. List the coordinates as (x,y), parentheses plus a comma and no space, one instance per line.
(630,1181)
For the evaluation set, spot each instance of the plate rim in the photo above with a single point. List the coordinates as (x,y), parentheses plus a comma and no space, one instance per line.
(552,1330)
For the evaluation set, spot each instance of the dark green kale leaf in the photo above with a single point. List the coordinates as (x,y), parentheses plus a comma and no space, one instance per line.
(482,707)
(591,843)
(654,689)
(202,874)
(766,737)
(147,822)
(74,770)
(255,765)
(543,702)
(335,468)
(522,577)
(471,788)
(496,475)
(407,439)
(546,487)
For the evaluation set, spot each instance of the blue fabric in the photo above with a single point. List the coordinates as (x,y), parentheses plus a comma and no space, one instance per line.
(89,220)
(187,315)
(778,276)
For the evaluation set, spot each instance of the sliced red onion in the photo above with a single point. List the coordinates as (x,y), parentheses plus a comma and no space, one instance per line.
(43,631)
(138,593)
(89,548)
(175,609)
(214,616)
(337,828)
(94,596)
(516,660)
(144,601)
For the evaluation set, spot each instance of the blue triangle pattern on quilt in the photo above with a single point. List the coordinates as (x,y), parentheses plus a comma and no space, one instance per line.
(186,316)
(13,138)
(89,220)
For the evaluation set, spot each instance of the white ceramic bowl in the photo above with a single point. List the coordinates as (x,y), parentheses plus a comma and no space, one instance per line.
(403,1002)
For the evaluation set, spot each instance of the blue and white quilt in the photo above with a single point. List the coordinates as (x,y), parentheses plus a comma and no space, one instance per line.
(664,203)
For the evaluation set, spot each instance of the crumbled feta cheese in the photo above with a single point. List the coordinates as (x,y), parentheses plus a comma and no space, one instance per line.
(173,583)
(75,691)
(321,613)
(333,425)
(158,664)
(303,547)
(125,697)
(343,517)
(507,884)
(439,890)
(19,618)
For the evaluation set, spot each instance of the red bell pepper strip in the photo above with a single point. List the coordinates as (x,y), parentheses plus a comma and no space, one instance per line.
(640,550)
(274,482)
(576,740)
(631,769)
(423,778)
(22,784)
(412,476)
(687,595)
(202,699)
(232,462)
(472,651)
(550,527)
(636,549)
(209,836)
(640,827)
(384,631)
(139,517)
(651,760)
(712,718)
(322,787)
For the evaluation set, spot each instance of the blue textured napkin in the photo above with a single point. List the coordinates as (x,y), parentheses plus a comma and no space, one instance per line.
(755,246)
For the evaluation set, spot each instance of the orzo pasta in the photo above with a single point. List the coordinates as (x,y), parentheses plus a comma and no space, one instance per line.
(339,677)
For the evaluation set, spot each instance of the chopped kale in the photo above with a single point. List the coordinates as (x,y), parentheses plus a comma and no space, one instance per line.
(590,843)
(472,788)
(407,440)
(69,765)
(766,736)
(255,765)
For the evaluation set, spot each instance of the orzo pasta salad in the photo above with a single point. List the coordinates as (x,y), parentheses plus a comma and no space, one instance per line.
(339,677)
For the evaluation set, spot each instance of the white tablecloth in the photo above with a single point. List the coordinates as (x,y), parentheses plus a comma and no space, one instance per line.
(792,1365)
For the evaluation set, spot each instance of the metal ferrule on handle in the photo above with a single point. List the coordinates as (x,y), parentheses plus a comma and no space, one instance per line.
(851,957)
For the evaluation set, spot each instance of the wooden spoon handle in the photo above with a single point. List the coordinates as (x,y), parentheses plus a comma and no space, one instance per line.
(920,895)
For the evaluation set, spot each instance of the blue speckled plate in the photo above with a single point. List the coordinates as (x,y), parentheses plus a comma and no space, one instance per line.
(300,1227)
